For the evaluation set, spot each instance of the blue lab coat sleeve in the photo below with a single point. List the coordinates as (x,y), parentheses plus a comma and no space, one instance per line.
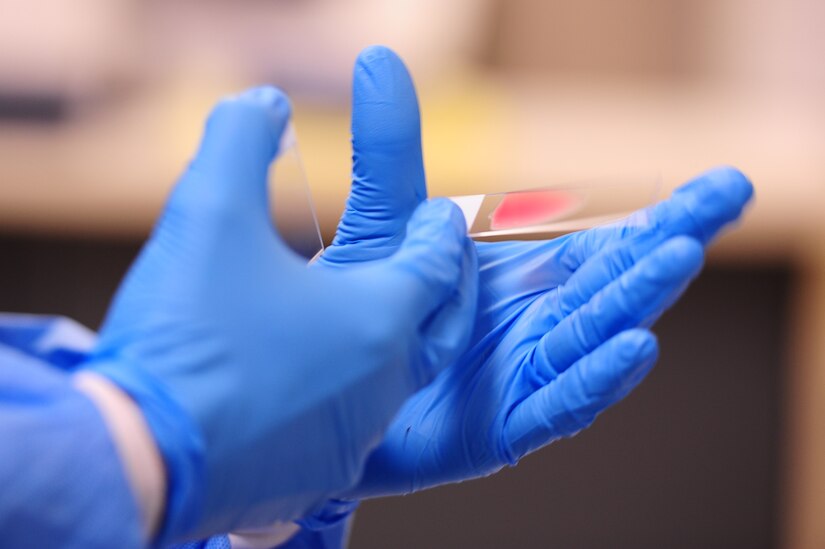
(62,481)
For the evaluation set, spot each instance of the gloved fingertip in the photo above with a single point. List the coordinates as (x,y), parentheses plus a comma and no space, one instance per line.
(385,116)
(722,183)
(379,75)
(732,183)
(637,347)
(378,54)
(441,218)
(253,106)
(453,213)
(245,127)
(436,237)
(634,352)
(230,171)
(268,97)
(682,254)
(435,251)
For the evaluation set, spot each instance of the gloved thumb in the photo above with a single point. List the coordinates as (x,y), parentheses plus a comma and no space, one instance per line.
(229,174)
(432,257)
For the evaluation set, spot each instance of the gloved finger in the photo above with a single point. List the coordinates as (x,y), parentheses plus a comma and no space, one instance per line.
(388,170)
(571,402)
(699,209)
(448,331)
(598,272)
(703,206)
(635,298)
(430,260)
(228,177)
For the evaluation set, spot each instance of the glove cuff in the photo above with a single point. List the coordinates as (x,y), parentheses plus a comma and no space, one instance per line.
(178,439)
(331,513)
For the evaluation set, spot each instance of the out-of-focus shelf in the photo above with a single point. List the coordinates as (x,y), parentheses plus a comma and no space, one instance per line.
(108,173)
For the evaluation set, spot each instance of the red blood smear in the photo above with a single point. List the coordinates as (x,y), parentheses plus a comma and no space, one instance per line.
(523,209)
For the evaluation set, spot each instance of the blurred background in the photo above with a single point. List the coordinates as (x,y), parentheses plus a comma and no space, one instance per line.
(102,103)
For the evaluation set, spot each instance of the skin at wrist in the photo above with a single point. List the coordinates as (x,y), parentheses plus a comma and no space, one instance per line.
(135,446)
(263,538)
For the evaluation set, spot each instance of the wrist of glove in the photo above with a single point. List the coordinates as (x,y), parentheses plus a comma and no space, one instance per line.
(330,514)
(178,440)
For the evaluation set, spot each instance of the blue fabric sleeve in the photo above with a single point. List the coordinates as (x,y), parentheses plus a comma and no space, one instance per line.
(63,484)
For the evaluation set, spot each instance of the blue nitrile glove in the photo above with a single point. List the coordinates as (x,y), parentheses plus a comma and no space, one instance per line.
(556,339)
(556,342)
(265,382)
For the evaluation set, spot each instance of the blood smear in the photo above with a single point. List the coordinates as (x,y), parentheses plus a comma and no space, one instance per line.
(523,209)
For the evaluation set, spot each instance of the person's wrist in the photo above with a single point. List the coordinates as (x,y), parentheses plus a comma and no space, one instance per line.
(263,538)
(134,444)
(178,440)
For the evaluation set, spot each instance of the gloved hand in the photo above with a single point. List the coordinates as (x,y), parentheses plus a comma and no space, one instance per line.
(556,338)
(266,383)
(555,343)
